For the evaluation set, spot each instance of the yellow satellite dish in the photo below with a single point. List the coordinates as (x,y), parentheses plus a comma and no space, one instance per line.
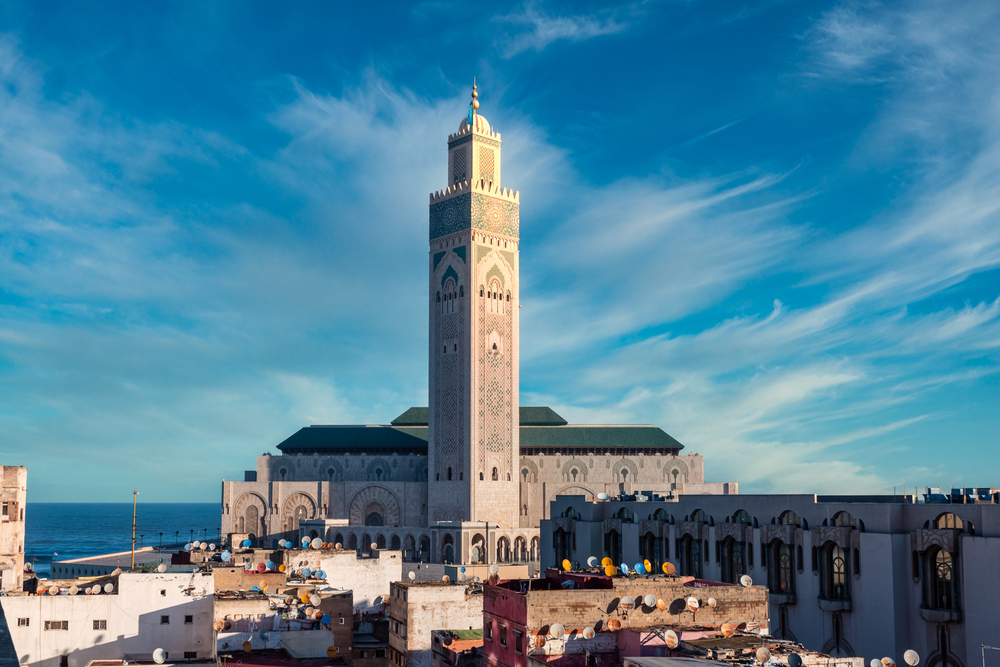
(567,565)
(607,561)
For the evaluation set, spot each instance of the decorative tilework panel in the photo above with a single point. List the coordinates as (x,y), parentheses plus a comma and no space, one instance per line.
(475,211)
(451,216)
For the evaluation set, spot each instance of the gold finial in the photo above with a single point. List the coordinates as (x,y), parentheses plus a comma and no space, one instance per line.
(475,102)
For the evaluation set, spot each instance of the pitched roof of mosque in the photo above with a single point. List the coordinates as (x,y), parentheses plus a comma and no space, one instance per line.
(541,429)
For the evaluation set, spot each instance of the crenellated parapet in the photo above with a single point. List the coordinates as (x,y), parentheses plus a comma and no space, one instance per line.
(464,187)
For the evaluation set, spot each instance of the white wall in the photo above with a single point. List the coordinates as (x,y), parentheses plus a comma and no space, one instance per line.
(132,615)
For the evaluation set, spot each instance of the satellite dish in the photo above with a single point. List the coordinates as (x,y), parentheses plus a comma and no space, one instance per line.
(247,646)
(911,657)
(109,588)
(650,600)
(332,651)
(374,546)
(159,656)
(27,567)
(269,564)
(692,604)
(339,545)
(661,604)
(588,633)
(566,565)
(649,566)
(162,567)
(794,660)
(614,624)
(609,570)
(763,655)
(712,603)
(592,561)
(306,572)
(461,569)
(539,640)
(745,580)
(379,600)
(325,620)
(607,561)
(556,630)
(668,568)
(728,630)
(753,626)
(494,569)
(888,662)
(412,575)
(875,662)
(446,579)
(281,543)
(218,626)
(225,556)
(640,568)
(282,568)
(73,590)
(314,600)
(187,547)
(211,547)
(603,496)
(670,637)
(462,576)
(316,543)
(477,580)
(627,603)
(261,568)
(247,543)
(623,569)
(95,589)
(204,545)
(322,574)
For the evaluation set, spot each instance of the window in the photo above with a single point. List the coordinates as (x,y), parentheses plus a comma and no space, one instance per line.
(833,573)
(780,578)
(857,562)
(4,513)
(57,625)
(380,653)
(64,661)
(503,635)
(190,655)
(496,475)
(189,620)
(23,622)
(341,620)
(164,620)
(939,593)
(488,630)
(100,625)
(163,593)
(518,642)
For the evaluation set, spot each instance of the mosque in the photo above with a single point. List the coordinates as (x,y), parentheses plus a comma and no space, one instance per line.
(468,478)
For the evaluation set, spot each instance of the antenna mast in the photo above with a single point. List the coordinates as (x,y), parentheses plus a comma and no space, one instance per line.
(135,495)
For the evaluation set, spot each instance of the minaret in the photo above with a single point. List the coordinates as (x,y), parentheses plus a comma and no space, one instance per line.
(473,298)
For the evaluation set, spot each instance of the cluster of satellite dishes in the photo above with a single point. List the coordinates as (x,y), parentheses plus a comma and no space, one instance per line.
(463,576)
(96,589)
(610,569)
(205,546)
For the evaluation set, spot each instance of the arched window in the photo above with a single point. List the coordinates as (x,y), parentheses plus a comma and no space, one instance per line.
(480,477)
(780,568)
(449,473)
(613,545)
(949,521)
(374,519)
(843,519)
(690,557)
(733,560)
(650,548)
(283,472)
(338,539)
(939,592)
(699,515)
(624,475)
(394,544)
(834,583)
(742,517)
(461,291)
(524,473)
(624,515)
(574,472)
(789,518)
(496,475)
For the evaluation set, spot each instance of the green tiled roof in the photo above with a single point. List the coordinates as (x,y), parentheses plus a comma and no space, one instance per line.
(361,439)
(541,429)
(530,416)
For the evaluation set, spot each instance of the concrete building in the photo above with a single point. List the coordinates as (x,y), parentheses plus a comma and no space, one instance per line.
(143,612)
(468,478)
(848,576)
(519,616)
(13,494)
(416,609)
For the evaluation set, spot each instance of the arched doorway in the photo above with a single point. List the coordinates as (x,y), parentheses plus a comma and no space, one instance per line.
(520,549)
(394,543)
(447,550)
(503,550)
(424,553)
(478,554)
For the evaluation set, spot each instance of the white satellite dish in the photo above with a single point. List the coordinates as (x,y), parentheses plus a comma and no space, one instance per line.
(494,569)
(911,657)
(671,639)
(412,575)
(314,600)
(588,633)
(109,588)
(763,655)
(603,496)
(159,656)
(875,662)
(162,567)
(446,579)
(745,580)
(592,561)
(649,600)
(692,604)
(96,589)
(211,547)
(316,543)
(462,576)
(557,630)
(712,603)
(374,546)
(73,590)
(339,546)
(188,546)
(627,603)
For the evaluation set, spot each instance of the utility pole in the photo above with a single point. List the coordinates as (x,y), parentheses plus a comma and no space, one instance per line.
(135,496)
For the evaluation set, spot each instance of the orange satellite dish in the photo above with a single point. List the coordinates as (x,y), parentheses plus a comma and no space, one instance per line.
(668,568)
(607,561)
(661,605)
(614,624)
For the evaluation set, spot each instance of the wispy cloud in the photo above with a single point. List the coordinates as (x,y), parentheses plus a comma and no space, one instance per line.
(535,30)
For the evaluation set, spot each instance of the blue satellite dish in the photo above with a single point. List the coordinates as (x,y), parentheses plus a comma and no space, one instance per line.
(624,568)
(306,572)
(326,619)
(461,569)
(640,568)
(226,556)
(246,543)
(255,588)
(270,564)
(306,540)
(321,574)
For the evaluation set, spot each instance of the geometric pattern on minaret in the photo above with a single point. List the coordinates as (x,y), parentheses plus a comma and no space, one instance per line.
(473,438)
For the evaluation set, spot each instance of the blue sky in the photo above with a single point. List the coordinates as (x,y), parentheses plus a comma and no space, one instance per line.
(771,229)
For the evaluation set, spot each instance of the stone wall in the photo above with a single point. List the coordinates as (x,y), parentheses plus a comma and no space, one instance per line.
(416,609)
(13,496)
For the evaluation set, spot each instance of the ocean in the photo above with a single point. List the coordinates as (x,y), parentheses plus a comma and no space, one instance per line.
(62,531)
